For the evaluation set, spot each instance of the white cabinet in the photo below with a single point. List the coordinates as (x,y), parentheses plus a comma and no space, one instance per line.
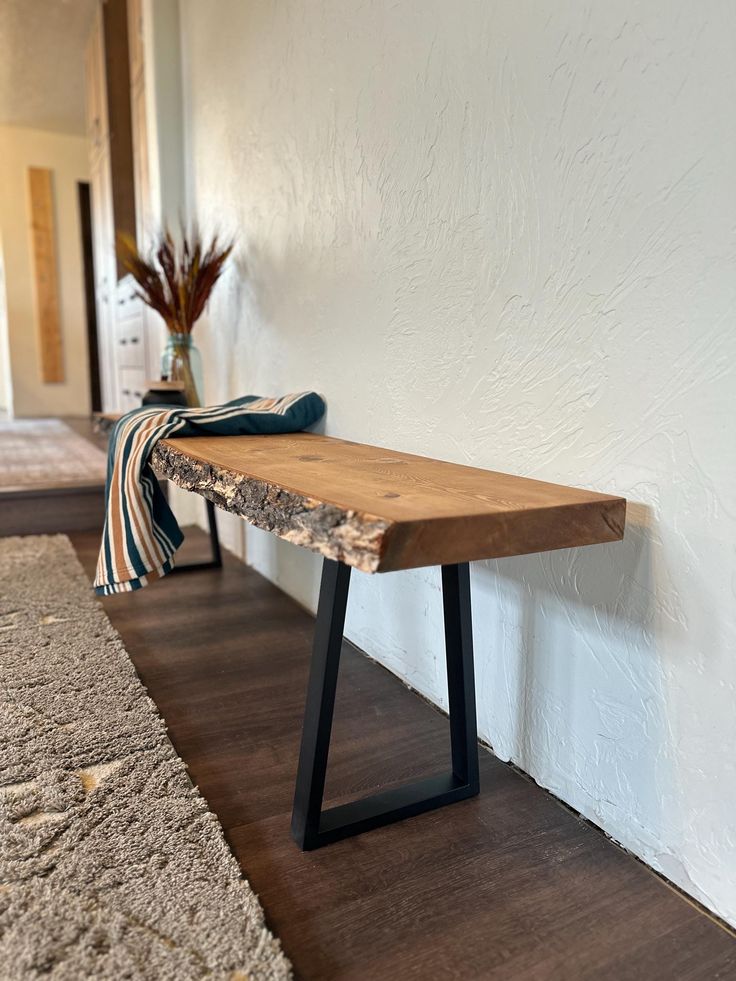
(124,322)
(130,328)
(132,387)
(102,219)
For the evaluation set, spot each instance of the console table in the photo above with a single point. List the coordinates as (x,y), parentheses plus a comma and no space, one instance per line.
(377,510)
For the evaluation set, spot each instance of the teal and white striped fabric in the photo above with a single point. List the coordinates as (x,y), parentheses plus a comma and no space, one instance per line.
(141,534)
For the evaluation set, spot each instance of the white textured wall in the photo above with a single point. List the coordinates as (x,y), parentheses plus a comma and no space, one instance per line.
(67,157)
(503,234)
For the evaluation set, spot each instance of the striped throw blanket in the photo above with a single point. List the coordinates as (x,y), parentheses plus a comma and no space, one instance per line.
(141,534)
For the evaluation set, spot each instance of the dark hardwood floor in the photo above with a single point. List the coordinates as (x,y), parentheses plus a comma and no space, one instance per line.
(509,885)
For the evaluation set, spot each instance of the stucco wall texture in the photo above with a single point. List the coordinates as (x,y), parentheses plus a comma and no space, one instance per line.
(504,234)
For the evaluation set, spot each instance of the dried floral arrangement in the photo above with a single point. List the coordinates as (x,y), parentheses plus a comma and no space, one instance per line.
(175,280)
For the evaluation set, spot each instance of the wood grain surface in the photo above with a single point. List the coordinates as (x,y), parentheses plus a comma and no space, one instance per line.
(47,286)
(379,510)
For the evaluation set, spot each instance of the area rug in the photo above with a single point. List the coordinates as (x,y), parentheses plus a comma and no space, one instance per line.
(42,453)
(111,865)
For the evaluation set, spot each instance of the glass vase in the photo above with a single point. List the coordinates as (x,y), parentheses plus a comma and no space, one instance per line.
(182,362)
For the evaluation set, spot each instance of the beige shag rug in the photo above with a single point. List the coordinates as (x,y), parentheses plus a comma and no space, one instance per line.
(111,865)
(42,453)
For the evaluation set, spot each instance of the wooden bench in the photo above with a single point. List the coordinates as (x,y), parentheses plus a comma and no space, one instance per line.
(377,510)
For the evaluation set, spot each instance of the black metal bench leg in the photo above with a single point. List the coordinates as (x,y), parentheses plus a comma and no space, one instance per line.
(460,672)
(216,561)
(310,781)
(214,537)
(310,825)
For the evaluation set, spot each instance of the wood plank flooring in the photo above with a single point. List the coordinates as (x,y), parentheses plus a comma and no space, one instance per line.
(509,885)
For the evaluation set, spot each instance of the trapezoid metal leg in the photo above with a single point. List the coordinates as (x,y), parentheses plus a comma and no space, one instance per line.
(311,826)
(310,780)
(216,561)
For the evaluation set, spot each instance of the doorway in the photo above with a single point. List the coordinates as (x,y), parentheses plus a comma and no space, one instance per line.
(85,222)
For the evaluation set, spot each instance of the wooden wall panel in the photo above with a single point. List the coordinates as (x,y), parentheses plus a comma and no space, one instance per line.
(45,264)
(119,122)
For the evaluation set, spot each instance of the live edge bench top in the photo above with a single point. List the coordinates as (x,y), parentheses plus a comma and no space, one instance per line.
(378,510)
